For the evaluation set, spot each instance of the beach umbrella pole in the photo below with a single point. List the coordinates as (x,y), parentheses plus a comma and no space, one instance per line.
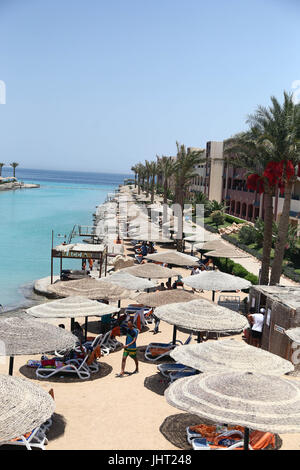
(85,327)
(174,334)
(11,365)
(246,439)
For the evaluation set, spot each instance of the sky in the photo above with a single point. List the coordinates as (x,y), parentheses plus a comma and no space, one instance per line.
(99,85)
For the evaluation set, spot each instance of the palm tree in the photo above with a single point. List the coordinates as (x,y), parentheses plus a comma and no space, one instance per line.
(184,173)
(279,124)
(148,175)
(14,165)
(247,150)
(166,168)
(134,168)
(1,166)
(153,173)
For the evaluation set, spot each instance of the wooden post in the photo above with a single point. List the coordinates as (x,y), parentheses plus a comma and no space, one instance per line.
(246,439)
(174,334)
(11,365)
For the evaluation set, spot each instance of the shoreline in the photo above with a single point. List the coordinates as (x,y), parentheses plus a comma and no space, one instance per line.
(18,185)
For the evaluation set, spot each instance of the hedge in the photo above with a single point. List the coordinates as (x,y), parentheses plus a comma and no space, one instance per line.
(231,267)
(210,228)
(232,219)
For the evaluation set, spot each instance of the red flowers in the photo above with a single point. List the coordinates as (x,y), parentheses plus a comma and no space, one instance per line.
(275,172)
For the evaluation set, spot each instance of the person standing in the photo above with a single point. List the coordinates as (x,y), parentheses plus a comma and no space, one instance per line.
(130,348)
(256,321)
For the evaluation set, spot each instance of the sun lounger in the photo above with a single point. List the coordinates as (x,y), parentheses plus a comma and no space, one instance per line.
(156,351)
(166,369)
(33,439)
(82,367)
(231,440)
(181,374)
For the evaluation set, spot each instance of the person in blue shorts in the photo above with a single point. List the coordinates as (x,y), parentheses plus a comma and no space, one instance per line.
(130,348)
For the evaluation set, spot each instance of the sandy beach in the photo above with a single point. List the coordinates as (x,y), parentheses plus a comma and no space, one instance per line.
(96,414)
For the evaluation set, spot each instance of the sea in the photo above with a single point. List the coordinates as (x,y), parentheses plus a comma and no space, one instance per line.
(28,217)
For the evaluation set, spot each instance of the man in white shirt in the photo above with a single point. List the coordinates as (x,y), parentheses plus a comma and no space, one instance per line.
(256,321)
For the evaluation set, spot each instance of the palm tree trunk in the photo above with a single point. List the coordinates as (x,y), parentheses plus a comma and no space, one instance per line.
(282,234)
(165,191)
(139,185)
(267,244)
(152,190)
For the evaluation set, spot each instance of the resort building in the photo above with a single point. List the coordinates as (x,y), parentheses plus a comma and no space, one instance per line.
(221,182)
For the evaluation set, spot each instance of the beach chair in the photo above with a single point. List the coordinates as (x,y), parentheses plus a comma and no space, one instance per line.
(82,367)
(166,368)
(33,439)
(182,374)
(230,301)
(234,440)
(156,351)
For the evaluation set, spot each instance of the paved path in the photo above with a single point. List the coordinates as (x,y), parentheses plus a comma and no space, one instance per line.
(251,263)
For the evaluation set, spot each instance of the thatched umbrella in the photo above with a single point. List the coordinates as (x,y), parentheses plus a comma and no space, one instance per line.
(72,307)
(201,316)
(293,334)
(255,401)
(151,271)
(218,356)
(128,281)
(226,253)
(216,280)
(24,336)
(165,297)
(90,288)
(24,406)
(216,244)
(174,258)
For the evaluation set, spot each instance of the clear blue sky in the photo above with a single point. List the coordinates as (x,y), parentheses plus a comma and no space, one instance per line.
(99,85)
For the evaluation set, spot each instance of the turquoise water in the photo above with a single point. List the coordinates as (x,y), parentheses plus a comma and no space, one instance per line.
(28,216)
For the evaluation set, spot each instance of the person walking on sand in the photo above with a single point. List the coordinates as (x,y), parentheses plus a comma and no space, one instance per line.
(130,348)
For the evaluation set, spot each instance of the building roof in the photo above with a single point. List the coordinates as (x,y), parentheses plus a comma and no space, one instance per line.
(286,295)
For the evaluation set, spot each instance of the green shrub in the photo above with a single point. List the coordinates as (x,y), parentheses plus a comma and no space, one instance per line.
(217,218)
(247,235)
(239,270)
(232,219)
(252,278)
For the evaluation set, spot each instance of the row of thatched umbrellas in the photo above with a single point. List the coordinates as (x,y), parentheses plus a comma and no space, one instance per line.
(28,336)
(241,395)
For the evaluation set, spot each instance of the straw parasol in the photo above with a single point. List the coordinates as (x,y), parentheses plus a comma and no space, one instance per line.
(24,406)
(202,315)
(129,282)
(156,299)
(71,307)
(151,271)
(226,253)
(293,334)
(216,280)
(90,288)
(231,354)
(24,336)
(256,401)
(216,244)
(174,258)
